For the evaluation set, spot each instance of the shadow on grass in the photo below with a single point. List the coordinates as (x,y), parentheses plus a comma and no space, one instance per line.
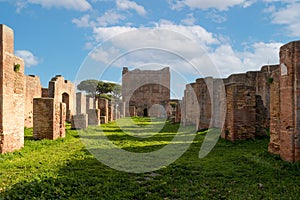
(241,170)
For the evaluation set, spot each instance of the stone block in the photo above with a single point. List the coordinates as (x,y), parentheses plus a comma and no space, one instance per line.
(79,121)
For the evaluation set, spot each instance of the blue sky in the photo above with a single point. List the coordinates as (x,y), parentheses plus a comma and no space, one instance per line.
(216,37)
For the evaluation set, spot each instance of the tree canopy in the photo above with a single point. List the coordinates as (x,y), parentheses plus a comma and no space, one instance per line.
(101,89)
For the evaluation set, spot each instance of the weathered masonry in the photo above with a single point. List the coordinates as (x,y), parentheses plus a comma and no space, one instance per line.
(11,94)
(146,92)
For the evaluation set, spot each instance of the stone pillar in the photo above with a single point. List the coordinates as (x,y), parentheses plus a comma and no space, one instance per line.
(80,120)
(80,103)
(132,111)
(12,91)
(241,112)
(122,109)
(48,119)
(103,106)
(63,118)
(93,117)
(290,102)
(274,145)
(111,111)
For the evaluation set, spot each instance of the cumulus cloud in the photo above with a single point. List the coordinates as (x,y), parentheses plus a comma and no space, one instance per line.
(288,16)
(184,48)
(131,5)
(28,57)
(207,4)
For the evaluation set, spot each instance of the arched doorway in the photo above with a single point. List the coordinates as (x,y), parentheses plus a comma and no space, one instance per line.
(145,112)
(66,100)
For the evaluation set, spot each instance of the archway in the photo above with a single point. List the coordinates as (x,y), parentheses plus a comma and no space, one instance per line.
(66,100)
(145,112)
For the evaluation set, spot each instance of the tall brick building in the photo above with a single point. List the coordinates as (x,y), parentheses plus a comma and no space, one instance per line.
(146,92)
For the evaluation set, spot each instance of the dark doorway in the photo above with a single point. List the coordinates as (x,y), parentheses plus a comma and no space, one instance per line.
(145,112)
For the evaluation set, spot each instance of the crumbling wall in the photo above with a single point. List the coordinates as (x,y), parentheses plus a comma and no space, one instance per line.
(103,106)
(145,88)
(49,118)
(274,145)
(63,91)
(12,90)
(33,90)
(241,113)
(289,106)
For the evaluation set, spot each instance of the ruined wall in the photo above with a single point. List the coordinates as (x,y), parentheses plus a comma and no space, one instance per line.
(103,106)
(49,118)
(145,88)
(274,145)
(33,89)
(290,102)
(63,91)
(191,107)
(241,113)
(205,102)
(12,92)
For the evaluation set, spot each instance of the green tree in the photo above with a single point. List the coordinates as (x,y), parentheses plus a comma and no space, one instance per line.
(89,86)
(101,89)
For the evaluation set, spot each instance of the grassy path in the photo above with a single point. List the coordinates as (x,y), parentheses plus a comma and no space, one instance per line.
(64,169)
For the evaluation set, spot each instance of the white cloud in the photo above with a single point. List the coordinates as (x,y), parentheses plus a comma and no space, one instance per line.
(180,47)
(190,20)
(110,18)
(288,16)
(207,4)
(79,5)
(131,5)
(215,17)
(29,59)
(83,22)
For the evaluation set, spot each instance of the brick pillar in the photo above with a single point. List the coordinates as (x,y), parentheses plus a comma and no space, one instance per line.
(103,106)
(12,89)
(47,119)
(274,145)
(241,112)
(63,117)
(290,102)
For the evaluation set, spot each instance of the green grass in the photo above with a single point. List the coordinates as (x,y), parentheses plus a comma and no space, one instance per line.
(64,169)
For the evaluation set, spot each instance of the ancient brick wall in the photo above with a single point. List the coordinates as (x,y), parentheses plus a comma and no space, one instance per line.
(45,92)
(205,102)
(63,91)
(241,113)
(144,88)
(49,119)
(274,145)
(289,101)
(191,106)
(103,106)
(33,90)
(12,92)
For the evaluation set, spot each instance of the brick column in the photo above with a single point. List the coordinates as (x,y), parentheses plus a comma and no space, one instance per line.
(290,102)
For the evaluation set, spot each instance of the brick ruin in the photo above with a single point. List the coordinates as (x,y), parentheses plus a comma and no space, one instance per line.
(250,102)
(144,91)
(24,103)
(11,94)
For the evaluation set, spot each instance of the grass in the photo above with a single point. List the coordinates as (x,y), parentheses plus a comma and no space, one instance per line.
(64,169)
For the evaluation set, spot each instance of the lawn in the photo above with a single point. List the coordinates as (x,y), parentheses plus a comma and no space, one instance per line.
(65,169)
